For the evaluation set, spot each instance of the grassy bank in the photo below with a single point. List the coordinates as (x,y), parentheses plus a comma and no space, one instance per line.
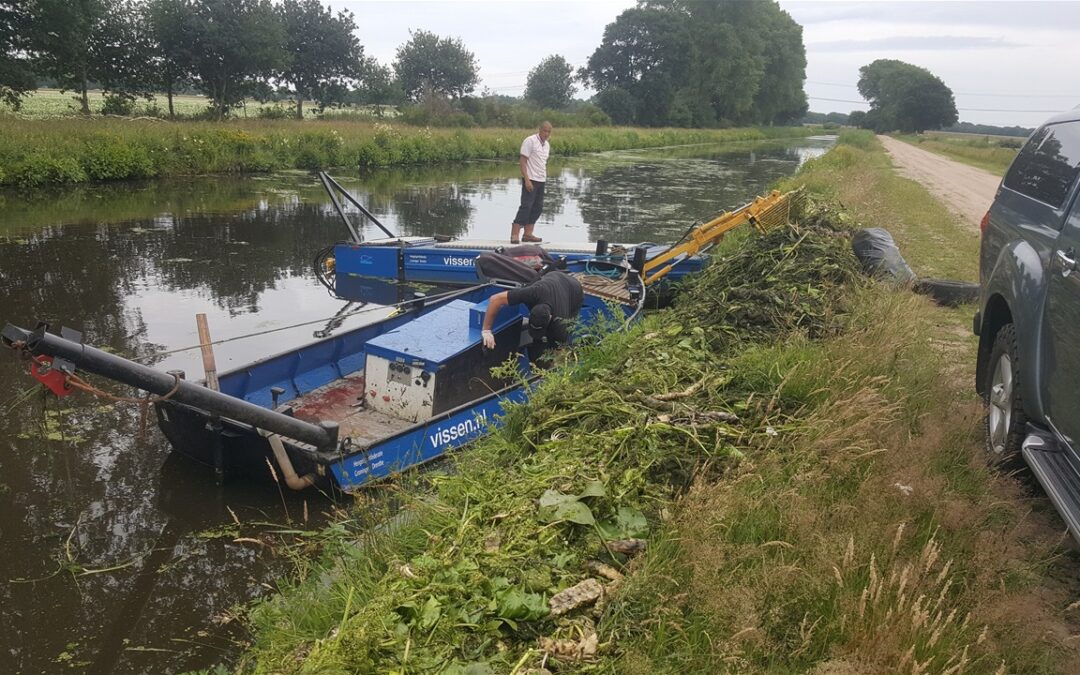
(859,175)
(799,450)
(35,152)
(990,153)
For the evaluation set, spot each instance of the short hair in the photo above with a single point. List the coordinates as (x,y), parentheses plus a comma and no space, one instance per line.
(543,124)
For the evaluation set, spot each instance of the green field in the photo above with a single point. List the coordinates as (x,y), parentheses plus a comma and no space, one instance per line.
(52,104)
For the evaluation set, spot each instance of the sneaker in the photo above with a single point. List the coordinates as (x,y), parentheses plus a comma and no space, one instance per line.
(515,241)
(531,239)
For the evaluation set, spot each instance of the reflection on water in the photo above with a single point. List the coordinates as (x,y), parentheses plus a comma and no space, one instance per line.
(119,558)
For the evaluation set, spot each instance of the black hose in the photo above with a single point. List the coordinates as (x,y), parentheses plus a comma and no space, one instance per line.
(320,267)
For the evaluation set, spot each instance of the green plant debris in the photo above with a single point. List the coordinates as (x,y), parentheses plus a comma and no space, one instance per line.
(594,458)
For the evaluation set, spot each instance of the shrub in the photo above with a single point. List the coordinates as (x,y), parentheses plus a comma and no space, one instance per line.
(40,169)
(274,112)
(117,105)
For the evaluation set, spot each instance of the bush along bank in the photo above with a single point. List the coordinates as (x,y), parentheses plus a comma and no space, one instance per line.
(514,559)
(34,153)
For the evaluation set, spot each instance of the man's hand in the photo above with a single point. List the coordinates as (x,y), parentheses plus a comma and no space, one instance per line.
(528,185)
(489,339)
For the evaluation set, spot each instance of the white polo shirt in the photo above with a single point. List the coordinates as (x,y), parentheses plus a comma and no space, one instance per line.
(537,153)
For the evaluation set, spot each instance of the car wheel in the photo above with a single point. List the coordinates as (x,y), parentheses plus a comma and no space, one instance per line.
(1005,418)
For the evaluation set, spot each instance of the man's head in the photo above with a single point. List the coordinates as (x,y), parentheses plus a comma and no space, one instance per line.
(539,322)
(545,131)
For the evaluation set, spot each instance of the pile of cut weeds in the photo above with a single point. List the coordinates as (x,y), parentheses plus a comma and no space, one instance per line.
(508,562)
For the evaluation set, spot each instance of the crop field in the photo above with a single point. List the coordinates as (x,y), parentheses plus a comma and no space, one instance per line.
(52,103)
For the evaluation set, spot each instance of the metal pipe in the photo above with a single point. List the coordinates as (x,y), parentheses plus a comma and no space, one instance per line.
(357,204)
(323,435)
(337,206)
(285,464)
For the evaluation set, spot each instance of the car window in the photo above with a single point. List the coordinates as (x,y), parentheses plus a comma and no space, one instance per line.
(1048,164)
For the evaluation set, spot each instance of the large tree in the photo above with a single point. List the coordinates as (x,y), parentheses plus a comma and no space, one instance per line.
(16,75)
(237,45)
(428,63)
(77,42)
(696,62)
(551,83)
(324,56)
(905,97)
(171,26)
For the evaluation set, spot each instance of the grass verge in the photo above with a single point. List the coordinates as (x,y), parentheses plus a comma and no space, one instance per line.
(990,153)
(36,152)
(799,450)
(858,175)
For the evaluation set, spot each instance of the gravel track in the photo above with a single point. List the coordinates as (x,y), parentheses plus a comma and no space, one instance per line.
(965,190)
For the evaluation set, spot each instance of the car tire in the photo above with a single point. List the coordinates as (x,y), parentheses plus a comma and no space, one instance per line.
(947,292)
(1005,420)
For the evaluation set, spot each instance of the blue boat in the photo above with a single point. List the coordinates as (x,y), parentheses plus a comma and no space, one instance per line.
(357,406)
(340,412)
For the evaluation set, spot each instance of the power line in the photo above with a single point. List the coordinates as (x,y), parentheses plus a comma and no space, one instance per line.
(961,93)
(845,100)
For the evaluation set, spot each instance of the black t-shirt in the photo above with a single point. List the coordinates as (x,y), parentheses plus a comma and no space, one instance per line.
(560,291)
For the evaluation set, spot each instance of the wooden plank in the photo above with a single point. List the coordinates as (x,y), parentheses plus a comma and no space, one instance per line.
(209,365)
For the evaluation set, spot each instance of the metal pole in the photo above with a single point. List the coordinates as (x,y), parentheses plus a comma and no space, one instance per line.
(323,435)
(337,206)
(358,205)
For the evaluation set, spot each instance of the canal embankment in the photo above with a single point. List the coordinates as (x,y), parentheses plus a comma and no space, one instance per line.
(790,461)
(75,150)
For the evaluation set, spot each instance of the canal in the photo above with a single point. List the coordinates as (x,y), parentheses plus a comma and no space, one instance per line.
(118,557)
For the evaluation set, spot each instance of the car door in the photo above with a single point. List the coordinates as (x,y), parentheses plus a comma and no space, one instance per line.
(1061,358)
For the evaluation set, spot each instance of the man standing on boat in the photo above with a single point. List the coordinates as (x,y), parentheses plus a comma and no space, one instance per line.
(554,301)
(533,161)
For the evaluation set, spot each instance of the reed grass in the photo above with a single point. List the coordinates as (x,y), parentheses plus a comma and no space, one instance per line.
(76,150)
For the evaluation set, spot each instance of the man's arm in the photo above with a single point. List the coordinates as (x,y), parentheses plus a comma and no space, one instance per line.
(524,162)
(495,303)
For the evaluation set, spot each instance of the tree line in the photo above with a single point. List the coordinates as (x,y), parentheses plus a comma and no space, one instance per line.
(685,63)
(662,63)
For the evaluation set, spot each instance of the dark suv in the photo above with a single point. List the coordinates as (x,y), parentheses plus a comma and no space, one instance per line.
(1028,324)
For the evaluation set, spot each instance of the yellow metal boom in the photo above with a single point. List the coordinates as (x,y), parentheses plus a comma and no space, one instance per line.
(763,213)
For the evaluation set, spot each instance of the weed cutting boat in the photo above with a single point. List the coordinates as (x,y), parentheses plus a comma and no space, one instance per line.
(356,406)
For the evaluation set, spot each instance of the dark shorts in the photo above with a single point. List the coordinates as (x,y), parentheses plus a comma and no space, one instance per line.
(532,203)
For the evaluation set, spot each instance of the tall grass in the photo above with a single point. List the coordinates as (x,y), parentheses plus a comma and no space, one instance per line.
(34,152)
(857,173)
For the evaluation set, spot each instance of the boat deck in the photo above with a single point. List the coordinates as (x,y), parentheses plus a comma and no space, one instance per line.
(604,287)
(492,244)
(342,401)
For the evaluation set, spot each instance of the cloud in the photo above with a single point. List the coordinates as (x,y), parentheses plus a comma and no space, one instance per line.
(1064,16)
(912,43)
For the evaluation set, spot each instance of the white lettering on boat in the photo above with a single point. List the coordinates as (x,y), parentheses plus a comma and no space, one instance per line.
(459,430)
(459,262)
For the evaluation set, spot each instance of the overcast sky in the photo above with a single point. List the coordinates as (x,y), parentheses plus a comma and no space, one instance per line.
(1007,62)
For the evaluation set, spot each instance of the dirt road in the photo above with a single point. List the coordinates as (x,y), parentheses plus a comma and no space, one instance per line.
(965,190)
